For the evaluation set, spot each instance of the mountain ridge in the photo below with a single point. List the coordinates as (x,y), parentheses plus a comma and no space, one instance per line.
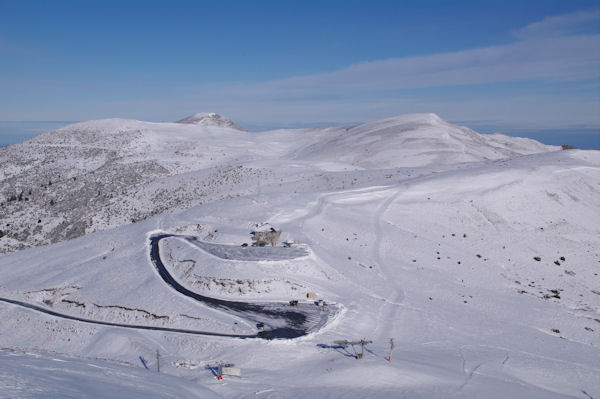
(99,174)
(478,258)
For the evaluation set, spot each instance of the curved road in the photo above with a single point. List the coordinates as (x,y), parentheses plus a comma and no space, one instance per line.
(108,323)
(296,321)
(294,318)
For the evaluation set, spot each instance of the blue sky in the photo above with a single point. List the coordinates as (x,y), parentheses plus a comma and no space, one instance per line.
(511,66)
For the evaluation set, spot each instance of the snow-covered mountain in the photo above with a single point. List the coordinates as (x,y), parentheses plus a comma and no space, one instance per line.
(101,174)
(478,255)
(209,119)
(415,140)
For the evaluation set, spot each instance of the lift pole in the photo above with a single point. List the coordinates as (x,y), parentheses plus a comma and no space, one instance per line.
(362,343)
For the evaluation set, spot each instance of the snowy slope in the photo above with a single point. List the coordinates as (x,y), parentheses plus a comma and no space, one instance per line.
(49,375)
(416,140)
(101,174)
(484,271)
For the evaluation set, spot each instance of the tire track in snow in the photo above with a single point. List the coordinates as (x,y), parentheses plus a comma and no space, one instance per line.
(390,304)
(390,308)
(318,210)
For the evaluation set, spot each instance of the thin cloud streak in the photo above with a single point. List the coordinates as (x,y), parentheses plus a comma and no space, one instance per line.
(547,77)
(562,48)
(569,58)
(561,25)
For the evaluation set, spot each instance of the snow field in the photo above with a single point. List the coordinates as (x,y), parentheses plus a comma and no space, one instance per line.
(442,258)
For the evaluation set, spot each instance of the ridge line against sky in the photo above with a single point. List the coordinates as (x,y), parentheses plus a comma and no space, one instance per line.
(556,51)
(530,66)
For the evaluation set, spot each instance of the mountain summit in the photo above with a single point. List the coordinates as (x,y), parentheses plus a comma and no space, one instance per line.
(415,140)
(103,174)
(409,227)
(209,119)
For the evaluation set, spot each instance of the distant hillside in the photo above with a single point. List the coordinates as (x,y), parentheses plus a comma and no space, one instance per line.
(474,257)
(209,119)
(416,140)
(100,174)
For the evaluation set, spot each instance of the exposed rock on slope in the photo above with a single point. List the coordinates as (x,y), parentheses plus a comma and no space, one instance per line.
(101,174)
(106,173)
(209,119)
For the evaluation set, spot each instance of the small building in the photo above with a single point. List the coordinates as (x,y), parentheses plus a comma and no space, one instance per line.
(262,238)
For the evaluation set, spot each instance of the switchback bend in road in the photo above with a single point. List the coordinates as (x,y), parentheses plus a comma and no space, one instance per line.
(280,319)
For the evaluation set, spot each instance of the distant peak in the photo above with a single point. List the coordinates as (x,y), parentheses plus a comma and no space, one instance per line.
(420,117)
(209,119)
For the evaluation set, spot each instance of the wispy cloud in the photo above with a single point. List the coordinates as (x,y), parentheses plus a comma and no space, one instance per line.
(546,76)
(567,54)
(562,49)
(580,22)
(564,58)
